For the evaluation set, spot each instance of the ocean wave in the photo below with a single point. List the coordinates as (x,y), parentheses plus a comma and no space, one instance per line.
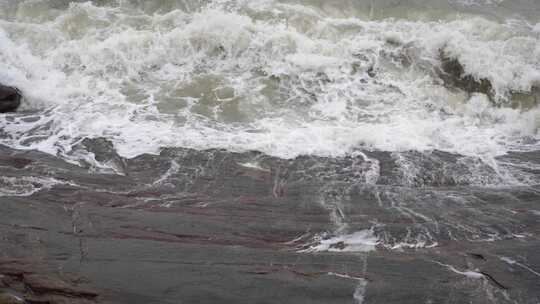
(284,79)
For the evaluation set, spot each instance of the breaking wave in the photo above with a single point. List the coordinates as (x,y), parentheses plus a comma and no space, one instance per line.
(282,78)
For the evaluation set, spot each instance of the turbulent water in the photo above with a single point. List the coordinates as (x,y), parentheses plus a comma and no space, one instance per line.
(283,77)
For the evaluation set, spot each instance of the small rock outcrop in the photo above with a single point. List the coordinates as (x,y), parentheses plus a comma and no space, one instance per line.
(10,99)
(453,74)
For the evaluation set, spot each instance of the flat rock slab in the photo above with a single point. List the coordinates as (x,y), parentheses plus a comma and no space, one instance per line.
(190,226)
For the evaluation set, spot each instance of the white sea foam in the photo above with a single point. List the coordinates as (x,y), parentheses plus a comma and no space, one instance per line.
(513,262)
(258,75)
(24,186)
(468,273)
(360,241)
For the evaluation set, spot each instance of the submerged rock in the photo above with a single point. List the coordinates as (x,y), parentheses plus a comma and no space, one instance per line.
(453,74)
(524,99)
(10,99)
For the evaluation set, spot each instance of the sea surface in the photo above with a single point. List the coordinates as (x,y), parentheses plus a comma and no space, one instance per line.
(429,110)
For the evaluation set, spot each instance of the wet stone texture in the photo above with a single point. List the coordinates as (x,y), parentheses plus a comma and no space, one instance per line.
(190,226)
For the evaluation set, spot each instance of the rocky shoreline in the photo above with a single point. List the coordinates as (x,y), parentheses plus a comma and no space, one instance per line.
(190,226)
(428,113)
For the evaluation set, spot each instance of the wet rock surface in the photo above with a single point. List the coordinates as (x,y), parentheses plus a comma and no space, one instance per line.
(10,99)
(213,226)
(6,298)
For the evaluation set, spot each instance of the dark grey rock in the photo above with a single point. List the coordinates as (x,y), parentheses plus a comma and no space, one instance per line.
(10,99)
